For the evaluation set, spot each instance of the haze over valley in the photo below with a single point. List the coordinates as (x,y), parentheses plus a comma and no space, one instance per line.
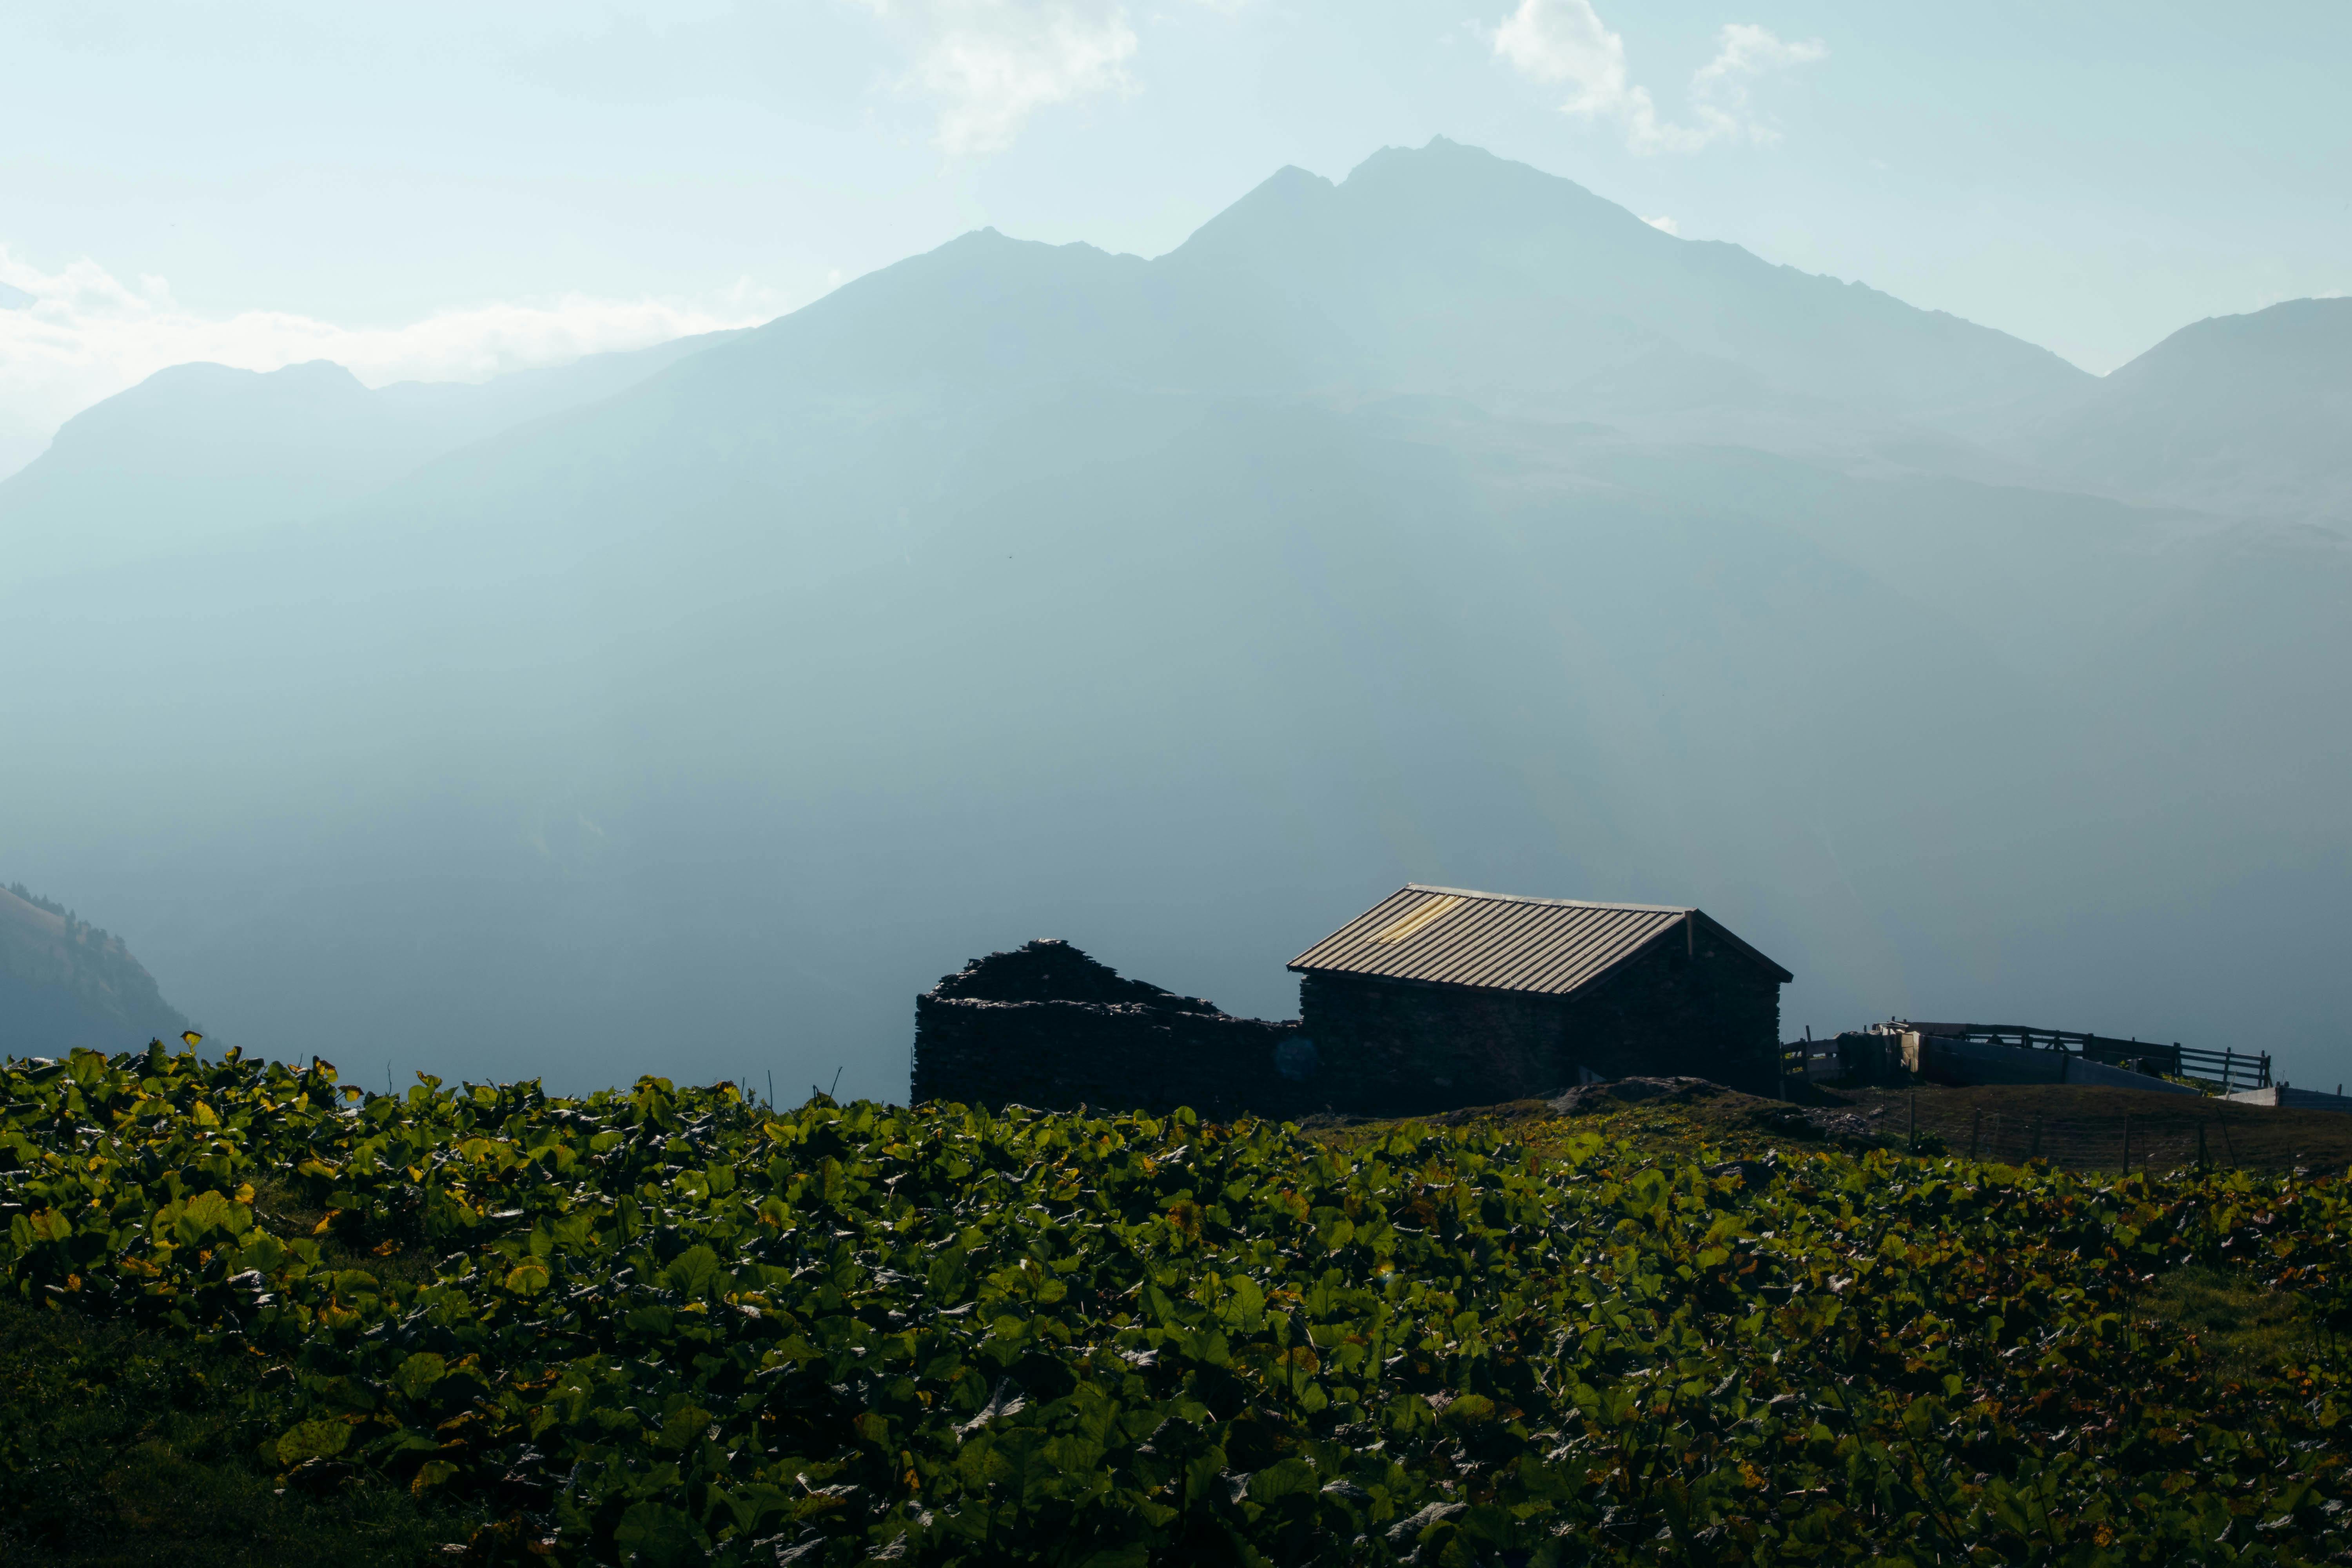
(1445,522)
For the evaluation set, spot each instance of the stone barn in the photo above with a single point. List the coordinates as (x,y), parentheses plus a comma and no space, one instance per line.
(1440,997)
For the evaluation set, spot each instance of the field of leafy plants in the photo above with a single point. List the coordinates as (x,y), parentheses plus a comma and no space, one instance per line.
(668,1326)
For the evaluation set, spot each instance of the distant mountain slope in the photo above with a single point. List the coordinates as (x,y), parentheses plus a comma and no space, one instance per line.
(2249,414)
(64,985)
(198,451)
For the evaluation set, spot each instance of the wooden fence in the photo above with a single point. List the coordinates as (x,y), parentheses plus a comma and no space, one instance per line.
(1866,1056)
(2227,1071)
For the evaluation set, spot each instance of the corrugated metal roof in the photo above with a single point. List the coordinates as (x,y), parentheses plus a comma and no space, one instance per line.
(1455,936)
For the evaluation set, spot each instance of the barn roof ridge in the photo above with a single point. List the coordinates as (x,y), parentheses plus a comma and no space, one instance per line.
(1565,903)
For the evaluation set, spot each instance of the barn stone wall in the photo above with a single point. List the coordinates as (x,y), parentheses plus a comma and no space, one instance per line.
(1673,1012)
(1046,1025)
(1396,1048)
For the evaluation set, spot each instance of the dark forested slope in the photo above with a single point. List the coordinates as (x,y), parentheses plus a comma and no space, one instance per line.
(67,985)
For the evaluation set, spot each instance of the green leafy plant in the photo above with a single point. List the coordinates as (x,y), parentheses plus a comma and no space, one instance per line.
(666,1326)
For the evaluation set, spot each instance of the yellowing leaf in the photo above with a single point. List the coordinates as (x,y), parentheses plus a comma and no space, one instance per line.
(201,1215)
(420,1371)
(314,1440)
(527,1279)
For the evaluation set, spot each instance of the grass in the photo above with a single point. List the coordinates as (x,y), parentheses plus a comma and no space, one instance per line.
(123,1449)
(2083,1128)
(2068,1127)
(2245,1330)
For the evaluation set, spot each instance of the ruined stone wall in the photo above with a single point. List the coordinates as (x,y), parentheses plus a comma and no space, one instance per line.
(1059,1056)
(1046,1025)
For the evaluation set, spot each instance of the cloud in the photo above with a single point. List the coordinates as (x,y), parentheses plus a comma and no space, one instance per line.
(81,334)
(989,64)
(1665,224)
(1565,43)
(1719,89)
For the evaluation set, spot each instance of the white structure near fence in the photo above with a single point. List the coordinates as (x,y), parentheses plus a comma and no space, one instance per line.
(2285,1097)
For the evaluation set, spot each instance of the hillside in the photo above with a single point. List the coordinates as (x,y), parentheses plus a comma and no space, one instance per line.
(2244,415)
(66,985)
(667,1325)
(1174,606)
(200,451)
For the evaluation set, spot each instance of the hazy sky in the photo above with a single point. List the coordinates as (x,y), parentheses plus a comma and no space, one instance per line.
(450,190)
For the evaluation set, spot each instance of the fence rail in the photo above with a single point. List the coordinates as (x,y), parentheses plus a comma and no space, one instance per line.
(2227,1072)
(2230,1070)
(1848,1056)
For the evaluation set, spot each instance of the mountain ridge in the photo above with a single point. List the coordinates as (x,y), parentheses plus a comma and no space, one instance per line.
(196,451)
(2243,414)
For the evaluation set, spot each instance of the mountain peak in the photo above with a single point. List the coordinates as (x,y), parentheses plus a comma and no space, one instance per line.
(1285,208)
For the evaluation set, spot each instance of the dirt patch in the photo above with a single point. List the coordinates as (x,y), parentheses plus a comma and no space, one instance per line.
(1620,1091)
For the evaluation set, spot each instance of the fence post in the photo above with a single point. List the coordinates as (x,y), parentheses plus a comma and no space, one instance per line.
(1915,1122)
